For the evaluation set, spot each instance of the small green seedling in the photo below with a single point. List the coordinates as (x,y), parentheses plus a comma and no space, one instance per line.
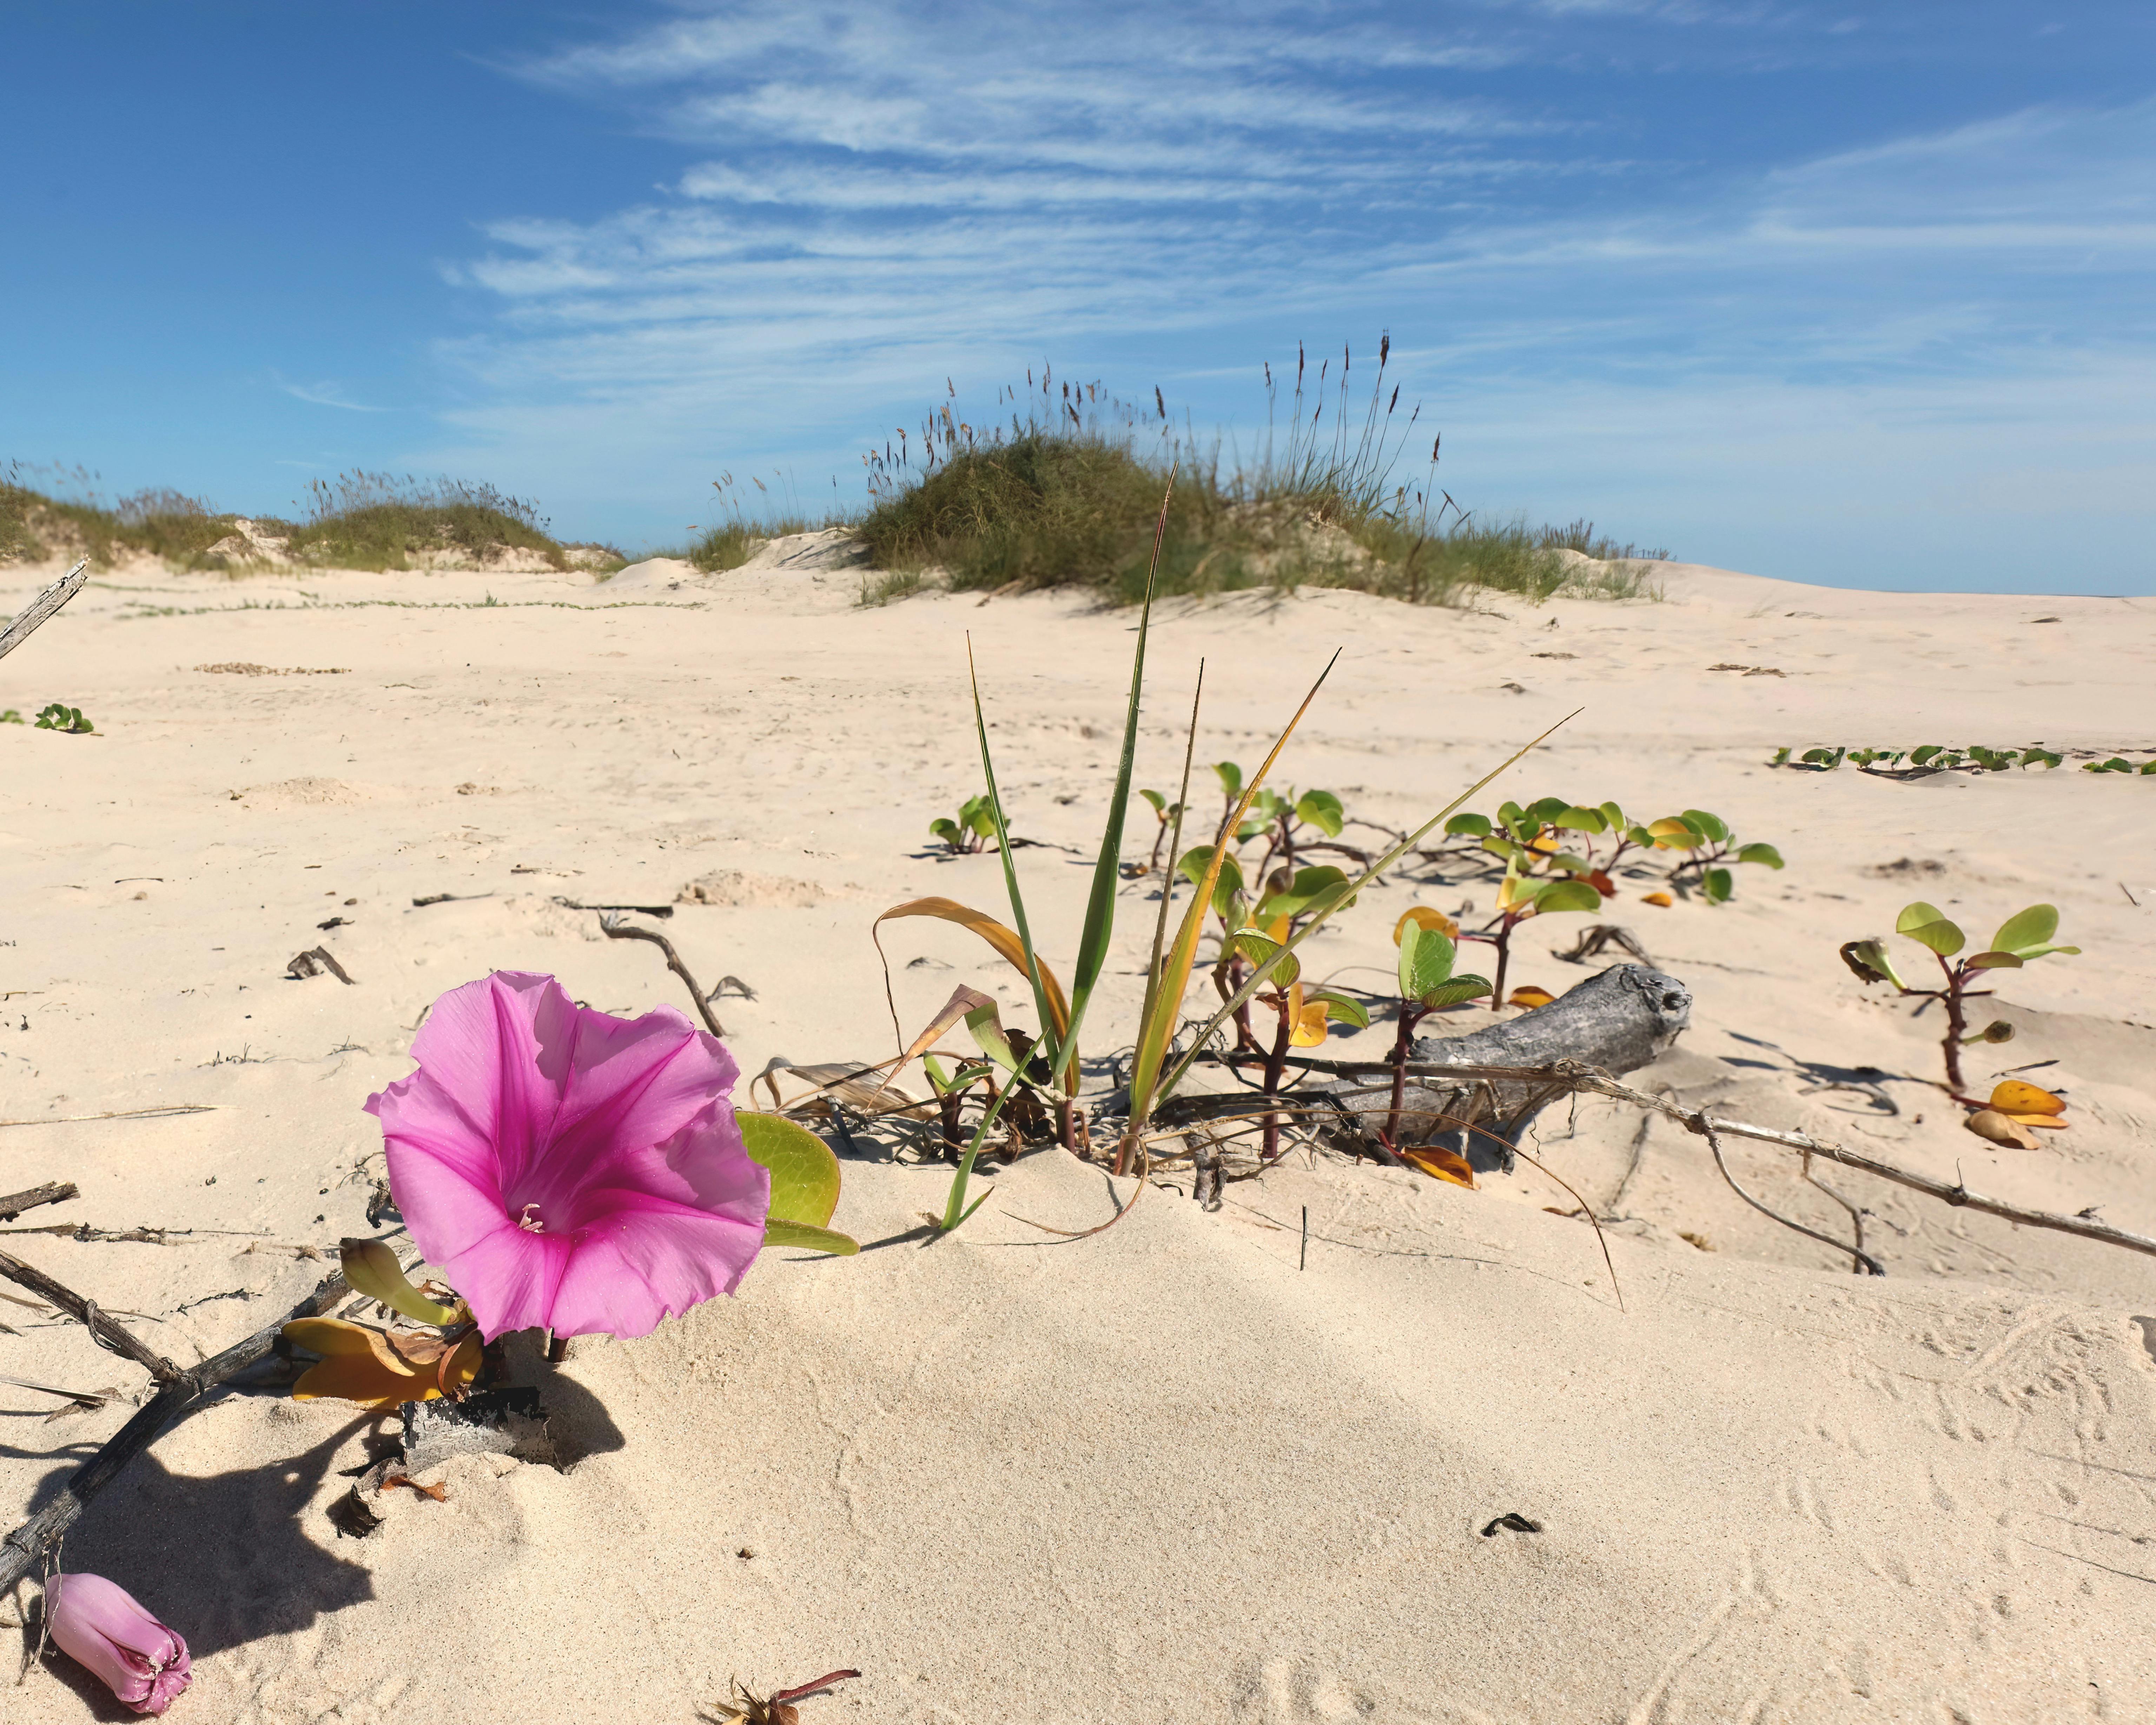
(1165,812)
(60,717)
(975,826)
(2118,764)
(1428,983)
(13,715)
(2024,935)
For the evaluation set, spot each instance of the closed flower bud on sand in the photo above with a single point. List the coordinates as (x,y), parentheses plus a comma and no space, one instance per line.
(98,1624)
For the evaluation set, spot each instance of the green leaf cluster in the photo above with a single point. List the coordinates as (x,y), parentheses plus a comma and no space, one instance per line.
(1427,956)
(59,717)
(975,824)
(1976,757)
(2025,936)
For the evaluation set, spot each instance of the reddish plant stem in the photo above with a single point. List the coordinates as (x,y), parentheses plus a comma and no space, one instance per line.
(1410,1016)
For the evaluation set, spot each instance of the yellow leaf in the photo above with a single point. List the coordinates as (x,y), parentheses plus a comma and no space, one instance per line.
(1276,931)
(1422,916)
(1529,996)
(358,1364)
(2014,1096)
(1663,899)
(2049,1122)
(1671,834)
(1308,1019)
(1441,1164)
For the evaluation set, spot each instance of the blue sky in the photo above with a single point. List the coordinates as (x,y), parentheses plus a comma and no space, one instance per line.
(1855,293)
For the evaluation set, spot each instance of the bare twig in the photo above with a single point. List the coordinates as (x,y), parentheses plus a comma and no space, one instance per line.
(87,1399)
(22,1550)
(1714,1143)
(157,1113)
(52,1192)
(109,1335)
(612,926)
(42,610)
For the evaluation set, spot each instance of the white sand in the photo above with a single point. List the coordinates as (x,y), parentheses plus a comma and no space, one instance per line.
(1162,1474)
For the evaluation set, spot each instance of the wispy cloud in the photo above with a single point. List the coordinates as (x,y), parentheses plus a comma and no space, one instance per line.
(874,196)
(323,395)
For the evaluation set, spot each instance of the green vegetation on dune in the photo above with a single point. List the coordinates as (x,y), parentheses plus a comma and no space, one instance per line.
(1069,493)
(360,521)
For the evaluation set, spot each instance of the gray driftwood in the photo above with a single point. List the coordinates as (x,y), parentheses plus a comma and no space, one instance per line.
(42,610)
(1617,1021)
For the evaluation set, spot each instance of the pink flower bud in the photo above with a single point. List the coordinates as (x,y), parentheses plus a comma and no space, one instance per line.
(100,1627)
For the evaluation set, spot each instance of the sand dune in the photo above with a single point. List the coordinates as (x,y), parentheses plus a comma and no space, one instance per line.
(1164,1474)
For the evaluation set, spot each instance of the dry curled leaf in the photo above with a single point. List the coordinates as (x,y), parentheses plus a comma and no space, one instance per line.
(1530,996)
(1663,899)
(1441,1164)
(2000,1129)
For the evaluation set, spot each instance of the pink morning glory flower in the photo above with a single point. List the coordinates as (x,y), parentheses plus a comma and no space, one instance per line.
(99,1625)
(569,1170)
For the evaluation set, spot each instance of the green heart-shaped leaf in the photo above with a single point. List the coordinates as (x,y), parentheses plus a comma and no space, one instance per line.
(1452,992)
(804,1173)
(2024,929)
(1426,961)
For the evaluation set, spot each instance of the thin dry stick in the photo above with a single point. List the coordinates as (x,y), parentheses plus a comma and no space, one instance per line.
(42,610)
(157,1113)
(1856,1215)
(22,1550)
(1714,1143)
(612,926)
(52,1192)
(110,1336)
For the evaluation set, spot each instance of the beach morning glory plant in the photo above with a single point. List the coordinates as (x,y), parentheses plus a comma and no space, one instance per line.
(568,1171)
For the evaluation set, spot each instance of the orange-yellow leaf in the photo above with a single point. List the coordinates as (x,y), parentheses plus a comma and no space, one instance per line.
(361,1378)
(1422,916)
(1529,996)
(1663,899)
(1276,931)
(2014,1096)
(1441,1164)
(1308,1018)
(2048,1123)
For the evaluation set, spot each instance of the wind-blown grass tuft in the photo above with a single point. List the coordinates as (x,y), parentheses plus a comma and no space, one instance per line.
(1064,495)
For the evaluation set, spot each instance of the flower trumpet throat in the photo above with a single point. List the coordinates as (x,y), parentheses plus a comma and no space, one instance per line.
(567,1169)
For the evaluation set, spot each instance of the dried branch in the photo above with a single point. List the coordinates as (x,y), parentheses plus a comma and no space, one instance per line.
(1589,1080)
(24,1550)
(612,926)
(42,610)
(1872,1264)
(113,1337)
(52,1192)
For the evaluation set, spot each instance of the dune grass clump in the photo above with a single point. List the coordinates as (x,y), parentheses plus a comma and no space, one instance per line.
(36,523)
(360,521)
(376,520)
(1064,494)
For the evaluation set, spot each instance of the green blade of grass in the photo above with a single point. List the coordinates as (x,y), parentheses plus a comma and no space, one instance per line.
(1100,903)
(956,1210)
(1257,978)
(1155,1032)
(1046,1019)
